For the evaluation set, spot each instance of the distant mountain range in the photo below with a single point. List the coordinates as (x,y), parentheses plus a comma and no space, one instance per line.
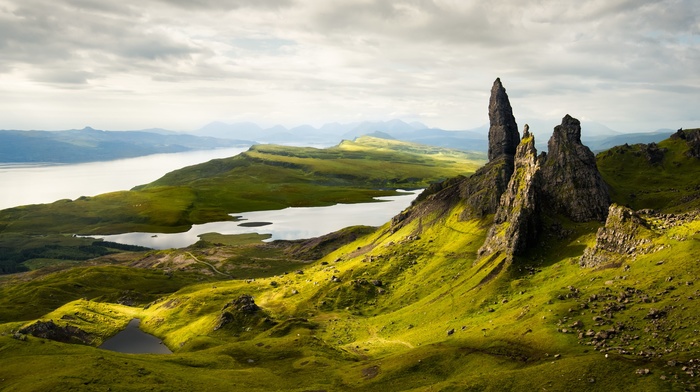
(597,136)
(88,144)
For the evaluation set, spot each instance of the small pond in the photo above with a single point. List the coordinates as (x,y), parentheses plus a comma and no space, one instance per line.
(133,340)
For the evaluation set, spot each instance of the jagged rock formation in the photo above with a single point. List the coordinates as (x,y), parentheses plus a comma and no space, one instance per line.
(517,186)
(52,331)
(692,137)
(503,131)
(625,234)
(481,192)
(516,223)
(571,183)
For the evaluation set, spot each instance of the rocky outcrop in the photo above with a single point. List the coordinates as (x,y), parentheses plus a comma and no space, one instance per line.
(516,223)
(503,130)
(242,314)
(653,153)
(52,331)
(571,183)
(692,138)
(624,235)
(481,192)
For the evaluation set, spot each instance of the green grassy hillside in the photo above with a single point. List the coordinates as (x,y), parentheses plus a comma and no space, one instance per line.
(264,178)
(663,177)
(407,307)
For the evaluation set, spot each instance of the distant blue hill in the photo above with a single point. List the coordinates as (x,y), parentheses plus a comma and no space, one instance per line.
(596,136)
(88,145)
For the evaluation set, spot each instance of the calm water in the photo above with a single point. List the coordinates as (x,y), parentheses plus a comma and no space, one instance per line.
(133,340)
(287,224)
(45,183)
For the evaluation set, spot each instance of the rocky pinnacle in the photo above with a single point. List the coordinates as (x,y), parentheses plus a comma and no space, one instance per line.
(571,183)
(517,221)
(503,132)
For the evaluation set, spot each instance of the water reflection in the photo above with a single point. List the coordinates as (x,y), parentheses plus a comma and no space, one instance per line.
(287,224)
(133,340)
(45,183)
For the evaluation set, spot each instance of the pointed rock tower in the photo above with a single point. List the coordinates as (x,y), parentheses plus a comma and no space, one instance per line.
(571,183)
(481,192)
(484,189)
(517,221)
(503,130)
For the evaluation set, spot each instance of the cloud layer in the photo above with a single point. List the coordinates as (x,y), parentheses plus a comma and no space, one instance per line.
(631,64)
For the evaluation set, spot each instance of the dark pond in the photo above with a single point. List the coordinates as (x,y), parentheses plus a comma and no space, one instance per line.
(133,340)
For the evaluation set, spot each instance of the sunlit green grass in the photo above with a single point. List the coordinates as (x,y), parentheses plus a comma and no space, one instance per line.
(384,323)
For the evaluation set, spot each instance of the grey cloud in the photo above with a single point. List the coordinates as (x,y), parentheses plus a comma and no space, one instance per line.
(88,35)
(229,4)
(64,77)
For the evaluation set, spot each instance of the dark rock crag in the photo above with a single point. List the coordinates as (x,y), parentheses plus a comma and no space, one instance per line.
(571,182)
(692,138)
(52,331)
(503,130)
(481,192)
(517,186)
(516,224)
(624,235)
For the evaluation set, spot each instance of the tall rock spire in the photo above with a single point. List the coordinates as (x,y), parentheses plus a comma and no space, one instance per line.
(571,182)
(517,221)
(503,131)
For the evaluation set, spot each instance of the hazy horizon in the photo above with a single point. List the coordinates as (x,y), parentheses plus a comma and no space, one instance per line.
(631,65)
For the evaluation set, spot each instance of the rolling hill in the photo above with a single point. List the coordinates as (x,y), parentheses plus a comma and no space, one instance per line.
(537,271)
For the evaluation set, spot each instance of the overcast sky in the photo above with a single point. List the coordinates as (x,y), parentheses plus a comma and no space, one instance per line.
(633,65)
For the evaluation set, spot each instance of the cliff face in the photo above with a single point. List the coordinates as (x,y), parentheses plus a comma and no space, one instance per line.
(517,222)
(571,183)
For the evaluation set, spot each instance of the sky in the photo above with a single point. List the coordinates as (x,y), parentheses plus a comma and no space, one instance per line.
(633,65)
